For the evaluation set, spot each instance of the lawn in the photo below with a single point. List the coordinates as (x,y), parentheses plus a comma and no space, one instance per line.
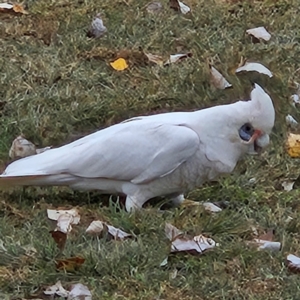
(56,85)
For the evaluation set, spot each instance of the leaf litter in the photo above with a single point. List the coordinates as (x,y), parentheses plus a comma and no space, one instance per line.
(218,80)
(259,33)
(97,28)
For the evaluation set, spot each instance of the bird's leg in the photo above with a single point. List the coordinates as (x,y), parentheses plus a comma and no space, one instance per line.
(134,203)
(181,201)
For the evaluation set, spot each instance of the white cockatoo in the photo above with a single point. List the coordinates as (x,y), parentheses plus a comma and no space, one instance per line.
(159,155)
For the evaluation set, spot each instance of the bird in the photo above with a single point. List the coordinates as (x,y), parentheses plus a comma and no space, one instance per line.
(144,157)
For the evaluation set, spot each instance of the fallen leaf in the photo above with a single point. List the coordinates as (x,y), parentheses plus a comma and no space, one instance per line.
(155,59)
(255,67)
(295,100)
(197,244)
(12,8)
(293,262)
(218,80)
(69,264)
(117,233)
(54,214)
(293,145)
(179,6)
(288,185)
(176,58)
(56,289)
(164,262)
(211,207)
(120,64)
(290,121)
(97,28)
(60,238)
(95,228)
(79,291)
(154,7)
(21,148)
(172,232)
(259,33)
(265,242)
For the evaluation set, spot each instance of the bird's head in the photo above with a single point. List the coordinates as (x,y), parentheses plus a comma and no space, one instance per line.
(231,131)
(254,121)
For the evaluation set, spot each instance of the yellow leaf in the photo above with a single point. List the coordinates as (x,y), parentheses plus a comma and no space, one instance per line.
(120,64)
(69,264)
(18,8)
(293,145)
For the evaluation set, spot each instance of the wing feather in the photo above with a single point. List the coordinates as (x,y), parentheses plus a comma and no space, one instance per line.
(137,151)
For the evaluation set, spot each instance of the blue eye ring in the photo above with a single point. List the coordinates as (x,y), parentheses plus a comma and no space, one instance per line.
(246,132)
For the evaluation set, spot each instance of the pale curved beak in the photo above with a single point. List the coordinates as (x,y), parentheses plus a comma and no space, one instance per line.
(258,141)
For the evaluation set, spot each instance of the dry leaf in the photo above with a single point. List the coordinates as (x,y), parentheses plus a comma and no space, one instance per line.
(65,218)
(69,264)
(117,233)
(293,145)
(259,33)
(95,228)
(57,290)
(60,238)
(154,7)
(293,262)
(54,214)
(120,64)
(288,185)
(12,8)
(211,207)
(253,66)
(97,28)
(21,148)
(179,6)
(172,232)
(177,57)
(295,100)
(79,291)
(197,244)
(155,59)
(290,121)
(218,79)
(265,242)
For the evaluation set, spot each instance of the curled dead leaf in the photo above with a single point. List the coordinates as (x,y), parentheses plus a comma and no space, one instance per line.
(97,28)
(211,207)
(291,122)
(56,289)
(155,59)
(218,80)
(259,33)
(293,263)
(96,228)
(176,58)
(154,7)
(69,264)
(293,145)
(179,6)
(21,148)
(13,8)
(254,67)
(59,238)
(79,291)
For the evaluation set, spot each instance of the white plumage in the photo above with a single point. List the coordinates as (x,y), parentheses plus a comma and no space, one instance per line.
(160,155)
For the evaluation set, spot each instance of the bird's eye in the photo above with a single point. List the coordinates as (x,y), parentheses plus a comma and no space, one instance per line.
(246,132)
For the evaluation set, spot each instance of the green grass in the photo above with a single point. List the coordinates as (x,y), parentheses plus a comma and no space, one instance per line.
(56,85)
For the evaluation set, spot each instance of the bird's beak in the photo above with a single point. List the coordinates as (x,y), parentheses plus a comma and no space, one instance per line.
(258,141)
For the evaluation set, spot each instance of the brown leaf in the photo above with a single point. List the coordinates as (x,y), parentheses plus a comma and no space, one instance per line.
(268,236)
(69,264)
(60,238)
(293,145)
(174,4)
(293,263)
